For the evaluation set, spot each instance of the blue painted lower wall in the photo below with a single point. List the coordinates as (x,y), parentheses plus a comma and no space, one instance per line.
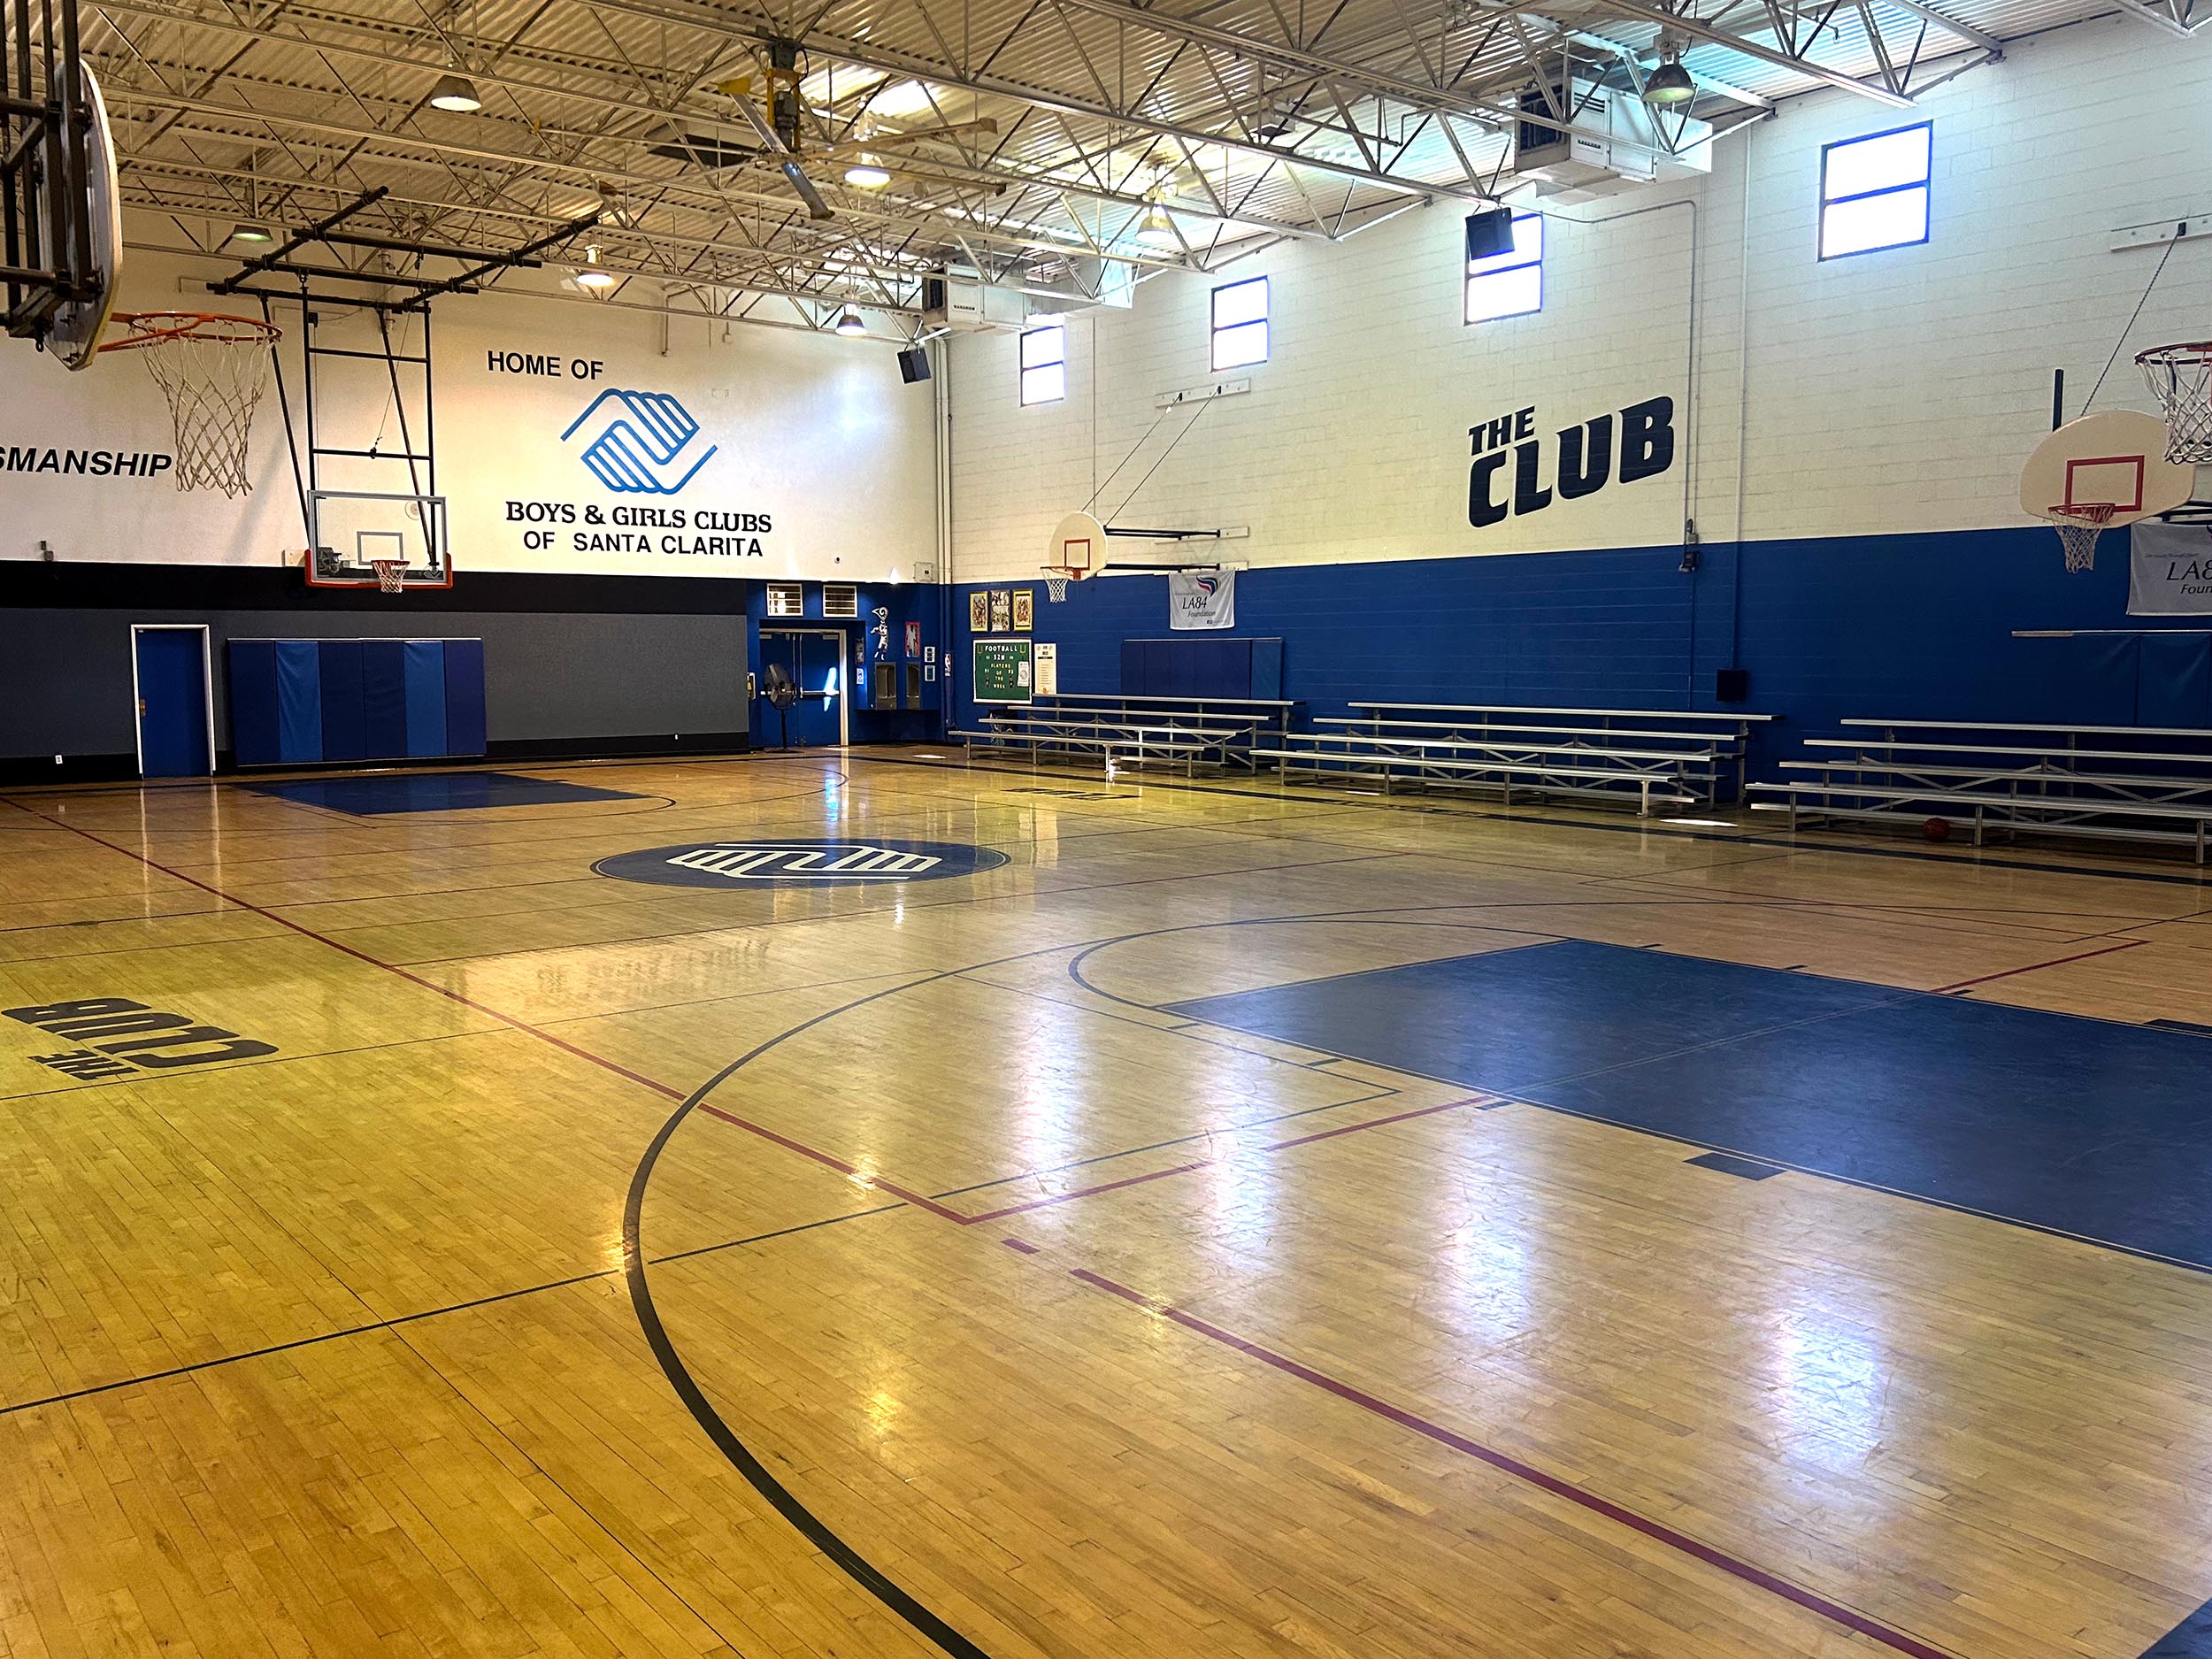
(1905,625)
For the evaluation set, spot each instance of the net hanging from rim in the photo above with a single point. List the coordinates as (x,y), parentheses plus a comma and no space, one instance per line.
(390,575)
(1056,588)
(213,369)
(2180,377)
(2078,528)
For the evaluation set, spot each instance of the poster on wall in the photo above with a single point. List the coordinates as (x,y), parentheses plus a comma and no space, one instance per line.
(1044,670)
(1001,671)
(978,612)
(1001,612)
(1202,599)
(1024,609)
(913,639)
(2169,570)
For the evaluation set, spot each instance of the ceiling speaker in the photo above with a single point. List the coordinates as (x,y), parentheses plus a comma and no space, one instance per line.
(1489,232)
(913,364)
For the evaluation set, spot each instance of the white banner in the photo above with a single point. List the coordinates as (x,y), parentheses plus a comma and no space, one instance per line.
(2169,570)
(1202,599)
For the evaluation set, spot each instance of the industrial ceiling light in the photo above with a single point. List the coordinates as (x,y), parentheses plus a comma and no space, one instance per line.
(593,277)
(867,173)
(1669,85)
(849,323)
(456,93)
(1158,229)
(248,230)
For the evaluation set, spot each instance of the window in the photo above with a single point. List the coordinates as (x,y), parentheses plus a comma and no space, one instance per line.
(1241,323)
(1509,284)
(1874,191)
(1045,365)
(841,600)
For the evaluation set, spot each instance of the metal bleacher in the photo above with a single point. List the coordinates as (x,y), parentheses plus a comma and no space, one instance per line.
(1216,734)
(2151,784)
(1657,756)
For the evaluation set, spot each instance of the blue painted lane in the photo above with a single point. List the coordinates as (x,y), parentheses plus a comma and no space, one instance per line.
(434,792)
(2089,1127)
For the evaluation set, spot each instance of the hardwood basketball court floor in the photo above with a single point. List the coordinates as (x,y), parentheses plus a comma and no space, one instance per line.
(1103,1218)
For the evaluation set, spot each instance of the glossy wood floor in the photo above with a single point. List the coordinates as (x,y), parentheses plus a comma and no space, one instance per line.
(981,1307)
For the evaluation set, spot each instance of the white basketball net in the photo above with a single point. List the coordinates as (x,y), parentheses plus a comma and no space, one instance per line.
(390,577)
(2078,532)
(2180,377)
(1056,588)
(213,373)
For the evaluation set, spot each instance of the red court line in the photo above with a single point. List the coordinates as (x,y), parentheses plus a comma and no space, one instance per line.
(1757,1577)
(2035,966)
(1204,1164)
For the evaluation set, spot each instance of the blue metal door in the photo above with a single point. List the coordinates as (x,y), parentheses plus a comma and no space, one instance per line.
(817,667)
(172,703)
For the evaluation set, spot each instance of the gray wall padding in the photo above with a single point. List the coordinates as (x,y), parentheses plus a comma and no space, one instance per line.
(65,675)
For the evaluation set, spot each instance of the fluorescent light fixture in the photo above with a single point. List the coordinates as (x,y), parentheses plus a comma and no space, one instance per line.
(850,323)
(1669,85)
(867,173)
(456,93)
(247,230)
(593,276)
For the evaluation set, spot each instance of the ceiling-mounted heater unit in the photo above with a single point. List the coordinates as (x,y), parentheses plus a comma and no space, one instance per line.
(1616,141)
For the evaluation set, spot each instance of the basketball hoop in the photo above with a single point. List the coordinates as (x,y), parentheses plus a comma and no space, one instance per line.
(389,576)
(2180,377)
(212,369)
(2078,528)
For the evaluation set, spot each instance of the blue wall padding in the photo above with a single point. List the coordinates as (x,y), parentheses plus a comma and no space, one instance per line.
(343,736)
(1199,667)
(464,697)
(384,699)
(2175,684)
(422,666)
(253,703)
(299,680)
(1267,668)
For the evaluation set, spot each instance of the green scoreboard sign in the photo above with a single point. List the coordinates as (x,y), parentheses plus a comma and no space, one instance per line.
(1001,671)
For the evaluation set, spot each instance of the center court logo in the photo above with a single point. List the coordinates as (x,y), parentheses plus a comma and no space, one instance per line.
(641,443)
(798,863)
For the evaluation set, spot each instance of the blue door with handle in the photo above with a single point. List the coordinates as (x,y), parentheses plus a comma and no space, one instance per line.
(816,665)
(172,703)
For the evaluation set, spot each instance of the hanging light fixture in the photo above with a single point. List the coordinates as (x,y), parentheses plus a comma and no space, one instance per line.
(1669,85)
(593,277)
(250,230)
(867,173)
(456,93)
(1157,229)
(850,324)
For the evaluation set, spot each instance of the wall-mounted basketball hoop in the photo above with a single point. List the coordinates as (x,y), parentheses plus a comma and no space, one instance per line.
(212,369)
(2180,377)
(2100,472)
(1078,548)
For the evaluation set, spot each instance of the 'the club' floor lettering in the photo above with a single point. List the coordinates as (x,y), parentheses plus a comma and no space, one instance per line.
(761,864)
(798,863)
(118,1038)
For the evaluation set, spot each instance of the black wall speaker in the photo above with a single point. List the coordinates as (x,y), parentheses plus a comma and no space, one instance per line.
(1732,685)
(914,363)
(1489,230)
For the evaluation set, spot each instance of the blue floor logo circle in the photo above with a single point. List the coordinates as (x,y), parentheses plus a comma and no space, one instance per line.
(798,863)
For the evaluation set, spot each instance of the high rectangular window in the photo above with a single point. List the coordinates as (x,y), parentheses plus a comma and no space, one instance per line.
(1045,364)
(1240,321)
(1509,284)
(1874,191)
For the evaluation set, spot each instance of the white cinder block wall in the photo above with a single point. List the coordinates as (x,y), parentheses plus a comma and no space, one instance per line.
(1891,392)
